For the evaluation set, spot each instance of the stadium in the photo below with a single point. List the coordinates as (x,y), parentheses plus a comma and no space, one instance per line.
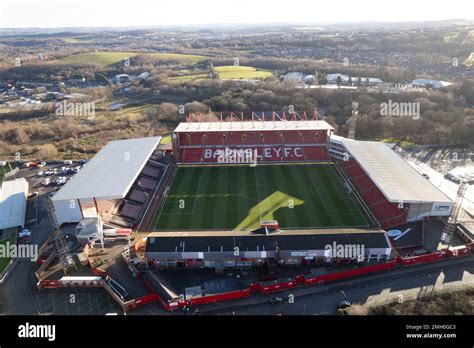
(242,190)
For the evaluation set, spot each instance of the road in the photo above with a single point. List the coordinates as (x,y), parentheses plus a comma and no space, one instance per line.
(323,299)
(16,289)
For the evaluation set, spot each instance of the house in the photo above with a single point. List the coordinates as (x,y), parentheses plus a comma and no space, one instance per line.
(345,80)
(122,78)
(293,77)
(144,75)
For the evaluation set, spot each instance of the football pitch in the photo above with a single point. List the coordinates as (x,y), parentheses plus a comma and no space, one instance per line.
(239,197)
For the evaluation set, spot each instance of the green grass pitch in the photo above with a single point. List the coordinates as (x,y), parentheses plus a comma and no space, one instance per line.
(239,197)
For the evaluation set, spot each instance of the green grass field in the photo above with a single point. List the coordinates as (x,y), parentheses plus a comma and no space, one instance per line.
(108,58)
(241,72)
(227,72)
(470,61)
(239,197)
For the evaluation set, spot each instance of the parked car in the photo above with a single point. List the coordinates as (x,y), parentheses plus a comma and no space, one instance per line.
(426,176)
(31,164)
(31,222)
(275,300)
(33,194)
(24,233)
(344,304)
(60,181)
(42,164)
(47,182)
(67,162)
(40,174)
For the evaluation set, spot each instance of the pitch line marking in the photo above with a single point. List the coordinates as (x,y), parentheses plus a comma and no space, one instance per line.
(336,210)
(322,200)
(258,196)
(166,199)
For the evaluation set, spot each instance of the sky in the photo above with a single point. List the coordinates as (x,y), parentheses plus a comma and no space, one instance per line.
(116,13)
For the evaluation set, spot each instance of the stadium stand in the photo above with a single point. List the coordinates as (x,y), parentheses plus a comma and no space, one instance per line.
(387,214)
(128,212)
(275,141)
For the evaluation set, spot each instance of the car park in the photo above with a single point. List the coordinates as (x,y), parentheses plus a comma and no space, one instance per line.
(60,181)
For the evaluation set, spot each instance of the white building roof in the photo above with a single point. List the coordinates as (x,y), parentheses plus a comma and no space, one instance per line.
(13,203)
(111,172)
(298,76)
(429,83)
(256,125)
(392,175)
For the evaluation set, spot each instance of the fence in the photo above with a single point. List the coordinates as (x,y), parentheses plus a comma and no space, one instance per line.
(266,288)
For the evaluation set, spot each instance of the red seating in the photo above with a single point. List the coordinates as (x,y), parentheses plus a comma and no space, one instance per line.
(362,182)
(292,137)
(212,138)
(271,137)
(252,138)
(385,210)
(372,195)
(387,213)
(190,155)
(237,137)
(355,171)
(316,153)
(226,138)
(264,153)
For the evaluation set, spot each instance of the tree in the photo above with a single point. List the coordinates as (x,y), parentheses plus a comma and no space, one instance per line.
(46,151)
